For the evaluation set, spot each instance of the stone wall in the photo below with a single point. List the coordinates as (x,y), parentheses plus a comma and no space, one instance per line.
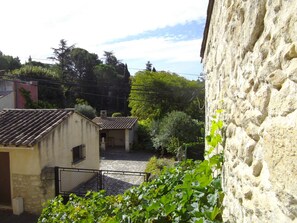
(34,189)
(250,61)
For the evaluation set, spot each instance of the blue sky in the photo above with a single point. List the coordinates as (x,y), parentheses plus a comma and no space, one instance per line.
(189,31)
(167,33)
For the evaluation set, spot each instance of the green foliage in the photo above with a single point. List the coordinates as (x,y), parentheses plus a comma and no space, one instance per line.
(83,75)
(86,110)
(50,90)
(187,192)
(117,114)
(215,135)
(62,55)
(153,94)
(155,165)
(80,101)
(214,139)
(36,72)
(175,129)
(143,135)
(30,104)
(9,63)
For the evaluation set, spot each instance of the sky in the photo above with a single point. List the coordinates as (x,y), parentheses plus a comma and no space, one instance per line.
(165,32)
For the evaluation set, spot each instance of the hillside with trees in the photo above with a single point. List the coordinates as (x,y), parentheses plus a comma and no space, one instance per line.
(75,74)
(105,84)
(163,102)
(170,109)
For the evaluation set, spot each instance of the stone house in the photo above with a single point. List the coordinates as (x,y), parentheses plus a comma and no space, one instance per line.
(32,143)
(116,132)
(249,53)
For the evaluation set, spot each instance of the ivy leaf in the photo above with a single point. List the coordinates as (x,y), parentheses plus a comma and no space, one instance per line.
(214,213)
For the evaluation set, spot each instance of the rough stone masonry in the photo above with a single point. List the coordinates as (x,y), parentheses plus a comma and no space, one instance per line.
(250,61)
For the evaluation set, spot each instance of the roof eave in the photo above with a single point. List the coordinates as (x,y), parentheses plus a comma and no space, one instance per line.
(18,147)
(206,29)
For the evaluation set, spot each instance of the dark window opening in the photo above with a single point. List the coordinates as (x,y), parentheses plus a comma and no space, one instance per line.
(103,135)
(78,154)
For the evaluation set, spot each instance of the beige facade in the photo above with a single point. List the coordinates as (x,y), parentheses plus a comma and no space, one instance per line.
(250,62)
(116,132)
(119,138)
(32,168)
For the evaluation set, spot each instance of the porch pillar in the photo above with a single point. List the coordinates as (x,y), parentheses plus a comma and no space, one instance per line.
(127,140)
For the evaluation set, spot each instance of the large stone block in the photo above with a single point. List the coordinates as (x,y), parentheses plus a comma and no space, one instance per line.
(284,101)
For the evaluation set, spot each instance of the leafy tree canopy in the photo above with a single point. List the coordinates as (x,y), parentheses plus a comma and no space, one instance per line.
(9,63)
(49,87)
(174,130)
(86,110)
(103,84)
(153,94)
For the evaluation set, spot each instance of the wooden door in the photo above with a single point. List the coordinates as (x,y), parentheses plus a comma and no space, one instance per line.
(5,193)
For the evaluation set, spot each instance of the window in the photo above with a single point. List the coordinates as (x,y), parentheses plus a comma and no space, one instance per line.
(78,154)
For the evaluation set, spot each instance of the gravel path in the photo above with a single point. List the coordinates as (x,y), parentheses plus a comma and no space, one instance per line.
(123,161)
(119,160)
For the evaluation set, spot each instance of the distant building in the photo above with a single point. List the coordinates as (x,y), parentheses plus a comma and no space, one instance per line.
(116,132)
(10,94)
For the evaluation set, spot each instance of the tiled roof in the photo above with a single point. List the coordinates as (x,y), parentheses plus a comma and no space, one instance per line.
(25,127)
(115,122)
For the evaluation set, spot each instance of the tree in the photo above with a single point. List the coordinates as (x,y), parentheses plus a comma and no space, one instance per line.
(49,87)
(148,66)
(86,110)
(113,85)
(64,68)
(31,62)
(174,130)
(153,94)
(9,63)
(62,55)
(197,106)
(30,104)
(83,62)
(110,59)
(83,69)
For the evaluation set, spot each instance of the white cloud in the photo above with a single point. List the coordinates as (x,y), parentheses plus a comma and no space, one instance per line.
(156,49)
(181,57)
(33,27)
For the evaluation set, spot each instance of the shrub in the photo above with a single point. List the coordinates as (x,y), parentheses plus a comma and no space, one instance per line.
(155,165)
(143,136)
(174,130)
(188,192)
(86,110)
(117,114)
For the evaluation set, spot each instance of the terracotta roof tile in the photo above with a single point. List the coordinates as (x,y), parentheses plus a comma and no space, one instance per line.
(25,127)
(115,122)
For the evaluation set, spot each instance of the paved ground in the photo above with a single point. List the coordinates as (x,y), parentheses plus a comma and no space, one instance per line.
(118,159)
(6,216)
(112,160)
(119,172)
